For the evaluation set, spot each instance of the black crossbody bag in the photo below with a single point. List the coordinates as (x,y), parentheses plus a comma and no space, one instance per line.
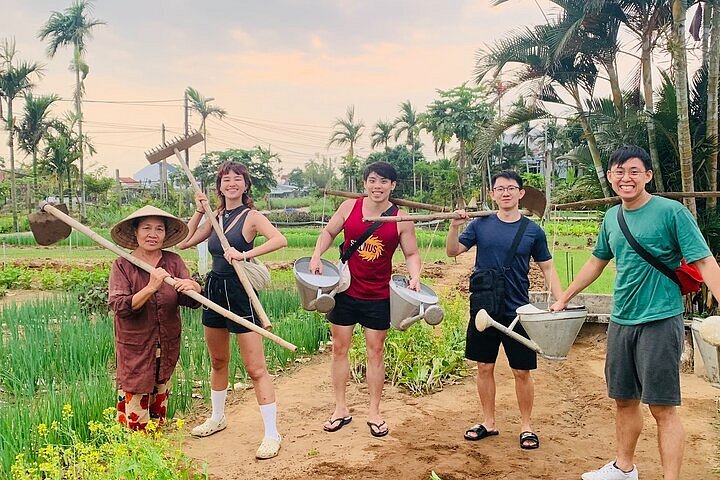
(487,285)
(345,255)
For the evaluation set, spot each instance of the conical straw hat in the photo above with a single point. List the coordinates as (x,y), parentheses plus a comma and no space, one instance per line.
(124,233)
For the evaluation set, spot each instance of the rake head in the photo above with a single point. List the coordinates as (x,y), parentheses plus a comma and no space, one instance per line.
(179,143)
(48,229)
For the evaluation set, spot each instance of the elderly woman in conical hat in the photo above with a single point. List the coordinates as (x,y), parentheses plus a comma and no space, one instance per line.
(147,317)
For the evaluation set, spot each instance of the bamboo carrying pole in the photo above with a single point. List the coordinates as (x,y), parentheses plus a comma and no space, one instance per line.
(175,146)
(604,201)
(396,201)
(432,216)
(46,207)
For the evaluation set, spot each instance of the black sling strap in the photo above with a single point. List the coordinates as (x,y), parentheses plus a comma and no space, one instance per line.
(345,256)
(516,241)
(647,256)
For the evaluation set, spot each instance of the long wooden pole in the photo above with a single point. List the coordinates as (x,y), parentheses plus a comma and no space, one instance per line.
(254,300)
(396,201)
(169,280)
(432,216)
(604,201)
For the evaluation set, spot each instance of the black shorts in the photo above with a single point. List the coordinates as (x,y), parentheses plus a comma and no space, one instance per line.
(484,346)
(228,292)
(372,314)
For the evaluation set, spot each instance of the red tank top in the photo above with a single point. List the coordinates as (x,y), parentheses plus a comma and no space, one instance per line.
(371,264)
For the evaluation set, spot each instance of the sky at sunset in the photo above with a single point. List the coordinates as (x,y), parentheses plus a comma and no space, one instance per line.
(284,70)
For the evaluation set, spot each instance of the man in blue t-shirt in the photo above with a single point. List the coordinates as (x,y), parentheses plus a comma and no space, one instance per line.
(494,236)
(646,332)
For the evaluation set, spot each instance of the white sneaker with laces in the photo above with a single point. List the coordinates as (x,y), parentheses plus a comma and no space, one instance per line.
(611,472)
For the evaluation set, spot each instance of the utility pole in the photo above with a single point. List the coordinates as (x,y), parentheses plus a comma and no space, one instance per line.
(163,171)
(187,127)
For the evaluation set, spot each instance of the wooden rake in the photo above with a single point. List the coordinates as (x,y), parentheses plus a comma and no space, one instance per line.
(53,224)
(176,145)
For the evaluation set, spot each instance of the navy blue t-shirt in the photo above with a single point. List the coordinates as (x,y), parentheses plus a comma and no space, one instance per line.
(493,239)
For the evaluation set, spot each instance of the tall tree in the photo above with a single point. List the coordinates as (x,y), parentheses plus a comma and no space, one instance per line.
(15,79)
(546,68)
(459,112)
(648,20)
(347,132)
(34,126)
(382,134)
(202,105)
(408,123)
(712,107)
(679,57)
(73,27)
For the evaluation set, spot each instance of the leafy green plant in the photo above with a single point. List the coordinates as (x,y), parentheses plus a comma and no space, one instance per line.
(420,359)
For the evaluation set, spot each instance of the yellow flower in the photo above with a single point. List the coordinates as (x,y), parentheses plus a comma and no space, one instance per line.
(67,411)
(179,423)
(42,430)
(55,425)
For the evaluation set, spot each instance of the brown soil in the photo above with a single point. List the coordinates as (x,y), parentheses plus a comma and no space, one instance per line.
(572,416)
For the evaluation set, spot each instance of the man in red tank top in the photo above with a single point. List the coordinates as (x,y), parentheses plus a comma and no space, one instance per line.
(367,300)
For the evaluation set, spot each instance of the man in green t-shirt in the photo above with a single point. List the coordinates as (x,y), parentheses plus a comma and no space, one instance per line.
(646,330)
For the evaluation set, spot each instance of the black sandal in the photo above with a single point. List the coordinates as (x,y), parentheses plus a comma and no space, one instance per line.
(375,429)
(341,422)
(480,432)
(529,441)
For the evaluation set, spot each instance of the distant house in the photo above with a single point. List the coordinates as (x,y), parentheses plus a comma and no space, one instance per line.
(129,183)
(284,191)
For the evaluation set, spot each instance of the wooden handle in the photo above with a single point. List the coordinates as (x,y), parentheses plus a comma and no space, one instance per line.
(433,216)
(396,201)
(169,280)
(254,300)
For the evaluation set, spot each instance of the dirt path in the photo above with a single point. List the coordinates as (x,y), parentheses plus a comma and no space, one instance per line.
(572,416)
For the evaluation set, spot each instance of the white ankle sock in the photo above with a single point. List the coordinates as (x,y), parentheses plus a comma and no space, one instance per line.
(217,398)
(269,416)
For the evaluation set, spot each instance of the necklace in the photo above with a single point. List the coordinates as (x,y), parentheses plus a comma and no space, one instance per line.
(227,213)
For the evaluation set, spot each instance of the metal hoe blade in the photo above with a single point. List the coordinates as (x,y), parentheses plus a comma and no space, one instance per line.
(534,201)
(168,149)
(48,229)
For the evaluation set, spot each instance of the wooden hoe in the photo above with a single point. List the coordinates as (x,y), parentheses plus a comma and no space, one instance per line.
(53,224)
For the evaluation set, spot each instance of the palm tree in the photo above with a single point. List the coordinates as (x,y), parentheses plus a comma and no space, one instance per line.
(647,20)
(679,57)
(381,135)
(34,126)
(542,65)
(15,80)
(347,132)
(712,95)
(408,122)
(73,27)
(202,105)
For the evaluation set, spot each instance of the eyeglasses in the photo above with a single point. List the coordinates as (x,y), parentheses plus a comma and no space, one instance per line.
(619,173)
(509,188)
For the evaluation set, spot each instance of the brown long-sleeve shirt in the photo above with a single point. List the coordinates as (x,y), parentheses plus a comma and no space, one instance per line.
(138,332)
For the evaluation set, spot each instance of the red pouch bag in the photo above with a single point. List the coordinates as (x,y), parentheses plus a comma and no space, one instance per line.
(689,278)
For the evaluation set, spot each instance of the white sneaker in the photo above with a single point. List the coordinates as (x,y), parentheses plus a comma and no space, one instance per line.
(611,472)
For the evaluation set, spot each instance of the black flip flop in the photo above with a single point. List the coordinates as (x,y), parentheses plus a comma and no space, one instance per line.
(341,422)
(480,432)
(375,430)
(529,441)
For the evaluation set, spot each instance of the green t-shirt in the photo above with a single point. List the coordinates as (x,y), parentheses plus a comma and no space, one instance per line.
(667,230)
